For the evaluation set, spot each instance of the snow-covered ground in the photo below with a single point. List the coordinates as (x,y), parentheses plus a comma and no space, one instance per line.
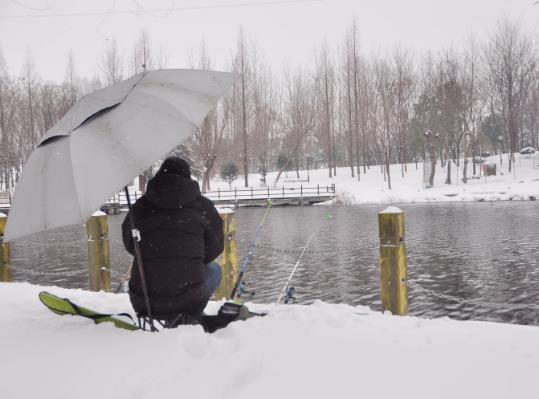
(521,184)
(317,351)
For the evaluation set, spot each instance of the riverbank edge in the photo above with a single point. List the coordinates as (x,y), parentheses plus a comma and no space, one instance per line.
(339,202)
(529,191)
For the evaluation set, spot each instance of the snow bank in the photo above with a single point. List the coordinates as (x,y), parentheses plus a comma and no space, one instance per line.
(317,351)
(392,209)
(225,209)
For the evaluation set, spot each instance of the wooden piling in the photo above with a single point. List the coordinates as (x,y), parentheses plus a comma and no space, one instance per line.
(393,265)
(97,229)
(229,258)
(5,262)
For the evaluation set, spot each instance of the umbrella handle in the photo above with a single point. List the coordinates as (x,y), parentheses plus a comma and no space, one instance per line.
(136,238)
(136,234)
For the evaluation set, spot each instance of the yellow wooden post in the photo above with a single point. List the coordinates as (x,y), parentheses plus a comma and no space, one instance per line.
(5,266)
(393,265)
(229,258)
(97,230)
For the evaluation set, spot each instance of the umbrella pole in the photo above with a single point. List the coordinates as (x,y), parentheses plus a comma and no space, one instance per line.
(138,257)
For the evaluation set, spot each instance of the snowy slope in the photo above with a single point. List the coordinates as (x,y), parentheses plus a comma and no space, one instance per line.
(318,351)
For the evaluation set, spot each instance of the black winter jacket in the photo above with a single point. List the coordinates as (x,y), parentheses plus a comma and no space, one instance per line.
(181,232)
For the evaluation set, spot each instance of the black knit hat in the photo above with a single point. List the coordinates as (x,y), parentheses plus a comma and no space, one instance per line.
(176,166)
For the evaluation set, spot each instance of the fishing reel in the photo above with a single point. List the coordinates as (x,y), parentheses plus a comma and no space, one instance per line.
(290,298)
(242,289)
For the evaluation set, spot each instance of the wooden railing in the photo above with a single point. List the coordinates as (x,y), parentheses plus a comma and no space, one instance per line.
(268,193)
(5,200)
(247,193)
(121,199)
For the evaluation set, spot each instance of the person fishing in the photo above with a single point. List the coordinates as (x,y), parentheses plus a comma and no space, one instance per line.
(181,235)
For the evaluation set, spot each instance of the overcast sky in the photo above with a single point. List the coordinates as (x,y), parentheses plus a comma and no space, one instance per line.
(287,34)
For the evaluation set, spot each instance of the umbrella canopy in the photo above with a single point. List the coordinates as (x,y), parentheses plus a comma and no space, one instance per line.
(105,140)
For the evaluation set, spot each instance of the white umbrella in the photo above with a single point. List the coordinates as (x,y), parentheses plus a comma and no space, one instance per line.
(105,140)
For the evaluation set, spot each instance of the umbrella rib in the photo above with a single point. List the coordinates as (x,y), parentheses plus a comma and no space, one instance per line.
(170,109)
(179,112)
(110,107)
(75,185)
(152,106)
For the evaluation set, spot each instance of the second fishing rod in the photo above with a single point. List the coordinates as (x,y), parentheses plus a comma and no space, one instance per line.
(249,254)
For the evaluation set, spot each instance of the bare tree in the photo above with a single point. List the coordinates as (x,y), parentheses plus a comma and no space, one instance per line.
(385,90)
(347,85)
(404,87)
(241,66)
(324,102)
(29,79)
(472,104)
(142,54)
(141,62)
(511,61)
(531,110)
(70,82)
(298,117)
(111,63)
(263,97)
(208,139)
(356,62)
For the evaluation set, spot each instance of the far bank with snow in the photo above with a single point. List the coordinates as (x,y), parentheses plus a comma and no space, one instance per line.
(521,184)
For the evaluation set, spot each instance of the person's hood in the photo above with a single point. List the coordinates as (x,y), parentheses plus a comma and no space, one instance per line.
(171,191)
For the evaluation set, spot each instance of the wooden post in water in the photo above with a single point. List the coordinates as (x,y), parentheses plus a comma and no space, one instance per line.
(393,265)
(97,230)
(229,258)
(5,267)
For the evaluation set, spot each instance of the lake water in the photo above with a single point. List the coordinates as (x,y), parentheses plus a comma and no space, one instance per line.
(482,253)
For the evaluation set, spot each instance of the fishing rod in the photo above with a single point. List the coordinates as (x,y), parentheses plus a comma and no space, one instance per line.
(249,254)
(285,288)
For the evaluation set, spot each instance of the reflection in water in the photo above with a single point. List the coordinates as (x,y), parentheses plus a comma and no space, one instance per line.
(483,252)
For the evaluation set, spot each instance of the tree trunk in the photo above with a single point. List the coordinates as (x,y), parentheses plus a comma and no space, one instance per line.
(432,166)
(388,172)
(244,120)
(285,166)
(328,124)
(466,155)
(208,167)
(334,154)
(473,160)
(142,183)
(448,178)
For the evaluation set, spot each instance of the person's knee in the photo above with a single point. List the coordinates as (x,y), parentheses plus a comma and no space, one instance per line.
(218,272)
(215,275)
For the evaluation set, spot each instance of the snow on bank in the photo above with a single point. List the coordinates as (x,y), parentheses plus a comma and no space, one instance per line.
(521,184)
(317,351)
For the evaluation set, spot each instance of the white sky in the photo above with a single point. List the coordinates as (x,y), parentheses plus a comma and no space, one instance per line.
(287,34)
